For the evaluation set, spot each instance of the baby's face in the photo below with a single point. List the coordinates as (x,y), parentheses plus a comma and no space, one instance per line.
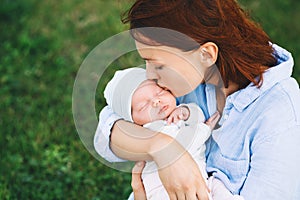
(151,102)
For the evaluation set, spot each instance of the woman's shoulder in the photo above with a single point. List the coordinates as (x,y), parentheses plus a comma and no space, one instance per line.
(267,109)
(284,96)
(278,108)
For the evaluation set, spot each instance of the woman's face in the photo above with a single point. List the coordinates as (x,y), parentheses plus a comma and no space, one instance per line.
(178,71)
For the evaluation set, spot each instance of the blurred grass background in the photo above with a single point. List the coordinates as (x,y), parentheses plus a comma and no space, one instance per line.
(43,44)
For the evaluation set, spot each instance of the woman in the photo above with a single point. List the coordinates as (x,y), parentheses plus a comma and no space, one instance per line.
(209,52)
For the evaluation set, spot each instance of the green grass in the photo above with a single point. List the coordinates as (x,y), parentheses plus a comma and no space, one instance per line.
(43,44)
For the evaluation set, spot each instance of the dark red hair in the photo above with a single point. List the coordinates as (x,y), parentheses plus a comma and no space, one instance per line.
(244,48)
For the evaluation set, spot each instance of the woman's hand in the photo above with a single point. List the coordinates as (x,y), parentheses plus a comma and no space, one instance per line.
(137,182)
(182,180)
(178,172)
(212,121)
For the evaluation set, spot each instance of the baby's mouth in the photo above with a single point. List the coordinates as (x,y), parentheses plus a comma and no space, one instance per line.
(163,109)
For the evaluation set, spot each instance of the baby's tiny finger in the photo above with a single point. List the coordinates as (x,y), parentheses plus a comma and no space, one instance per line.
(169,120)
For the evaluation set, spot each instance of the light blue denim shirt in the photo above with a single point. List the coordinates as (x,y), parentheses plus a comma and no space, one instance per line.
(256,151)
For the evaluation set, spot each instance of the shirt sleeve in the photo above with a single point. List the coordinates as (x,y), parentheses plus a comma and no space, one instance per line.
(274,167)
(107,118)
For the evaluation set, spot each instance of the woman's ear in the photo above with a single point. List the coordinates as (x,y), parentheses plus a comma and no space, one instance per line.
(208,53)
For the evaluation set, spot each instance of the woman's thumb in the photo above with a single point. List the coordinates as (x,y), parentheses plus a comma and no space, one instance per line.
(138,167)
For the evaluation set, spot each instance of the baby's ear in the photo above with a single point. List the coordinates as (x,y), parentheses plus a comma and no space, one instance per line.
(208,53)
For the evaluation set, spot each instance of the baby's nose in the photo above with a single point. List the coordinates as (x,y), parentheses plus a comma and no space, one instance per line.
(156,102)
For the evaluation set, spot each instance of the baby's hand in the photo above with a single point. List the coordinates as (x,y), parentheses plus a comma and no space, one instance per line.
(179,113)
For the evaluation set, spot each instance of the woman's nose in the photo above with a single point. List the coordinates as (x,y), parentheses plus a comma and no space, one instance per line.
(151,73)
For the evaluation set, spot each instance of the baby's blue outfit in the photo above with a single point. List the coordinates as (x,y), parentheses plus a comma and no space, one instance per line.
(256,151)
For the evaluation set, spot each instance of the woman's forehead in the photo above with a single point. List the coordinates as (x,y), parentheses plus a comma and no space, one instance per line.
(150,51)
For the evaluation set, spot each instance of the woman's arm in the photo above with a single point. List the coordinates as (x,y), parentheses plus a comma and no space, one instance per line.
(107,118)
(116,138)
(178,172)
(133,142)
(127,140)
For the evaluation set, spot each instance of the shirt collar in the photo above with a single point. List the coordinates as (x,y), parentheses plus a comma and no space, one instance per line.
(242,98)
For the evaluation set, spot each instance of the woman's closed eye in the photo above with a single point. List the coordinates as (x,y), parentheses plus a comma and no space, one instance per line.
(160,67)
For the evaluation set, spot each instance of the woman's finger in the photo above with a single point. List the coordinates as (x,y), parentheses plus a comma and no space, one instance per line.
(212,121)
(136,180)
(202,195)
(172,196)
(138,167)
(180,196)
(191,196)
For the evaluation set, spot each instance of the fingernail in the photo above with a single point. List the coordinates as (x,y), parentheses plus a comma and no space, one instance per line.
(139,164)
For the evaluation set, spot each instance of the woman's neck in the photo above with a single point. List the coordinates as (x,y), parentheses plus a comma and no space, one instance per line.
(222,93)
(213,77)
(232,87)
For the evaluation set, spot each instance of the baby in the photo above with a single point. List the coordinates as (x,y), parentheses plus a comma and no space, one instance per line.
(143,102)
